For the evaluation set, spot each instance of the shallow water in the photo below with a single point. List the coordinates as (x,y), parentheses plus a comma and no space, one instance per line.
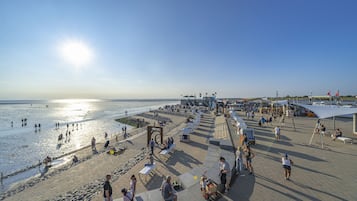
(23,146)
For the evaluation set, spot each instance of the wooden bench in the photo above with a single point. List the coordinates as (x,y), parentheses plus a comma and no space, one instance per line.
(345,139)
(147,169)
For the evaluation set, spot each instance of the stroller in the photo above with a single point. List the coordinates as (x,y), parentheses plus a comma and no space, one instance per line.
(209,189)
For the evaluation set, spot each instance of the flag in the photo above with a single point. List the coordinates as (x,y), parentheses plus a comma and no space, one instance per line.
(338,93)
(329,93)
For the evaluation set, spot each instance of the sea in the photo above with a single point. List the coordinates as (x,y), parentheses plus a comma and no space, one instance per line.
(22,144)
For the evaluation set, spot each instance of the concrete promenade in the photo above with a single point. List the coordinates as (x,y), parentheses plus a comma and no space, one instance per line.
(210,128)
(317,174)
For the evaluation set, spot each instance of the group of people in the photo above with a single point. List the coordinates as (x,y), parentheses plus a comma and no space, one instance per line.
(169,143)
(263,121)
(246,153)
(321,129)
(128,194)
(249,155)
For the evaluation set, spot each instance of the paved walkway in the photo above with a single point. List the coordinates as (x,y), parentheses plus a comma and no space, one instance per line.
(210,127)
(317,174)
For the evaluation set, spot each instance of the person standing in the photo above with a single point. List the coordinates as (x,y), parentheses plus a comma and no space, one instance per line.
(239,160)
(108,189)
(152,145)
(277,132)
(93,144)
(225,172)
(167,191)
(249,155)
(132,185)
(287,162)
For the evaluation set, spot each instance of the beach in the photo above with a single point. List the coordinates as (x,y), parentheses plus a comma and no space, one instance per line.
(316,173)
(90,172)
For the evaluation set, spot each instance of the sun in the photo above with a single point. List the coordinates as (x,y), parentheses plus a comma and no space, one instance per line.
(76,53)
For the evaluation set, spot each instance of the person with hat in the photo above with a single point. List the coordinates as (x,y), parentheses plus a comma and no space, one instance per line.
(287,162)
(127,195)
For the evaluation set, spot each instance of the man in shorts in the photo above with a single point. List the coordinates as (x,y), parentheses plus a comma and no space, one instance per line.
(277,132)
(287,162)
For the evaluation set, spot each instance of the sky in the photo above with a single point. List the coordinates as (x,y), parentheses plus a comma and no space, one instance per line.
(169,48)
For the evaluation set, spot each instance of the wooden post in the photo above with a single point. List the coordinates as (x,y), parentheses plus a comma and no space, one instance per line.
(355,123)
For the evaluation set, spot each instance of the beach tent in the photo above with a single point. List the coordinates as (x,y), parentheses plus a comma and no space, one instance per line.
(327,111)
(240,122)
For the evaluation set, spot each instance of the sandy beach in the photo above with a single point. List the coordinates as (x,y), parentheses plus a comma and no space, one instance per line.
(84,180)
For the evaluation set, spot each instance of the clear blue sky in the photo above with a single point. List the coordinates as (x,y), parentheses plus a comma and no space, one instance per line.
(163,49)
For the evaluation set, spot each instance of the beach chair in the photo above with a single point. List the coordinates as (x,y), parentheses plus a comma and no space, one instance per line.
(345,139)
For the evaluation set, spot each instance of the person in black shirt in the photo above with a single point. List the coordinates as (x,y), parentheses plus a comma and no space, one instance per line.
(108,189)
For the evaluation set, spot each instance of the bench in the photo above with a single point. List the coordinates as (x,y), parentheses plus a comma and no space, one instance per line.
(170,149)
(345,139)
(147,169)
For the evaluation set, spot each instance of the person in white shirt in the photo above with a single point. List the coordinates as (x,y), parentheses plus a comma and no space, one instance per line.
(287,162)
(277,133)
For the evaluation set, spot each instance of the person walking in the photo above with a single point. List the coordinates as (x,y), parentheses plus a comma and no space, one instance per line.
(152,145)
(249,155)
(277,132)
(287,162)
(108,189)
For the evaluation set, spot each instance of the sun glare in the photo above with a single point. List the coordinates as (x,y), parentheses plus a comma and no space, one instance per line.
(76,52)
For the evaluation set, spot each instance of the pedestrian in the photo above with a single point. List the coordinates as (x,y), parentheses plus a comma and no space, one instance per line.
(152,145)
(108,189)
(249,155)
(287,162)
(132,185)
(105,135)
(277,132)
(167,190)
(127,196)
(239,160)
(225,173)
(93,144)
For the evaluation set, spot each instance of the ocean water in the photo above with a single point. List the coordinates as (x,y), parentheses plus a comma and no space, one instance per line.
(22,146)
